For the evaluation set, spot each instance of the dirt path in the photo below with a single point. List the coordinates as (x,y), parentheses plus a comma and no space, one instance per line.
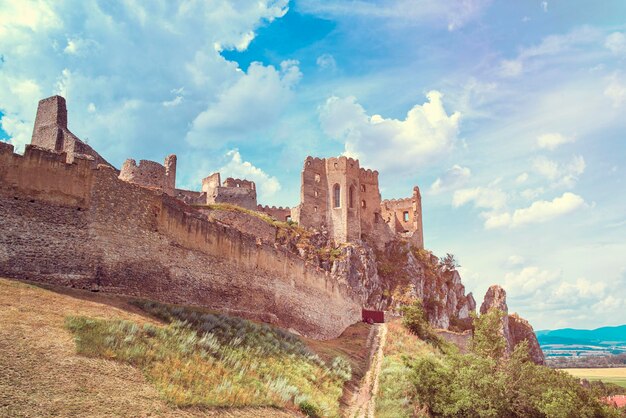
(364,401)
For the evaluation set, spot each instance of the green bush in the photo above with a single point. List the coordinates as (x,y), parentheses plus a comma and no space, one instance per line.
(414,319)
(488,383)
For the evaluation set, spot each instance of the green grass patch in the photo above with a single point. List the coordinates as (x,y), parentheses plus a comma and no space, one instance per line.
(210,360)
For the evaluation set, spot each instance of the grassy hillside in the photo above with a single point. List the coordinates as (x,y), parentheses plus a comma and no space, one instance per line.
(69,352)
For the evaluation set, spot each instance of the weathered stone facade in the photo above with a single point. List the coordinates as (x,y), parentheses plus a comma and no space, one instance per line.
(151,174)
(232,191)
(340,197)
(51,132)
(77,225)
(404,217)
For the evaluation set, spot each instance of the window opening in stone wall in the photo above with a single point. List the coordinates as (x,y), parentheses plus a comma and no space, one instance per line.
(288,218)
(351,197)
(336,165)
(376,216)
(363,205)
(317,178)
(362,187)
(316,193)
(315,209)
(336,196)
(405,216)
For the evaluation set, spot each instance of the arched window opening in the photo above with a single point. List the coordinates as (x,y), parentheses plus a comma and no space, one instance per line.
(405,216)
(336,196)
(351,197)
(363,205)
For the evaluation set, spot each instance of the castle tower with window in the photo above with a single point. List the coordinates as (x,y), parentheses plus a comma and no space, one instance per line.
(340,197)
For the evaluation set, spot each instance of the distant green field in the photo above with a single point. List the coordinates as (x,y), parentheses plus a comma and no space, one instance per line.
(615,375)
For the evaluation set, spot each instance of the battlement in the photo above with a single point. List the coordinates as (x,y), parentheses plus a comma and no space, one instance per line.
(368,175)
(245,184)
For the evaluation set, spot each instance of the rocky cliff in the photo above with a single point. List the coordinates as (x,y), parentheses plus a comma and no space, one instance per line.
(514,328)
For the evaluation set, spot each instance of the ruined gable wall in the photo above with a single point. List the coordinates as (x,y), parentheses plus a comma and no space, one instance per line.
(314,205)
(369,202)
(393,211)
(77,226)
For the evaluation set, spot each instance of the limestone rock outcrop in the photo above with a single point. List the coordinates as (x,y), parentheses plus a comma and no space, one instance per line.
(514,328)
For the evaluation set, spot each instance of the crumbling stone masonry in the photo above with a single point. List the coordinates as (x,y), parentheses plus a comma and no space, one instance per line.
(50,131)
(233,191)
(77,225)
(151,174)
(339,196)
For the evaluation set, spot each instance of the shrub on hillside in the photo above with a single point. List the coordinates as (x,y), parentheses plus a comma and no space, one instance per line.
(414,319)
(488,383)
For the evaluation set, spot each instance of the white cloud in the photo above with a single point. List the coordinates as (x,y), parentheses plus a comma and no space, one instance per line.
(582,289)
(552,45)
(553,140)
(532,193)
(544,6)
(454,178)
(267,186)
(561,175)
(174,102)
(79,46)
(616,43)
(49,45)
(521,178)
(255,100)
(528,281)
(426,133)
(326,62)
(516,260)
(538,212)
(481,197)
(511,68)
(616,90)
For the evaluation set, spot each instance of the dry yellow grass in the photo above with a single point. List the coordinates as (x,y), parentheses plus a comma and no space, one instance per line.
(615,375)
(41,374)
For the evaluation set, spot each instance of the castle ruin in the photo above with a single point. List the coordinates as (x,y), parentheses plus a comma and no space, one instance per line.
(337,195)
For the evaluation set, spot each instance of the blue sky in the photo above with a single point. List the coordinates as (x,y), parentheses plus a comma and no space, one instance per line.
(508,115)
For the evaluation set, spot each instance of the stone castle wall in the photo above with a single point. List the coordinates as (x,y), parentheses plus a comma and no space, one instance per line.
(76,225)
(279,213)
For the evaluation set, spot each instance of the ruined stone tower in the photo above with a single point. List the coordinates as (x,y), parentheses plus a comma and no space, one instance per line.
(51,132)
(340,197)
(151,174)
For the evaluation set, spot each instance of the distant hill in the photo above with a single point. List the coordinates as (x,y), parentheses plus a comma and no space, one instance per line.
(581,336)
